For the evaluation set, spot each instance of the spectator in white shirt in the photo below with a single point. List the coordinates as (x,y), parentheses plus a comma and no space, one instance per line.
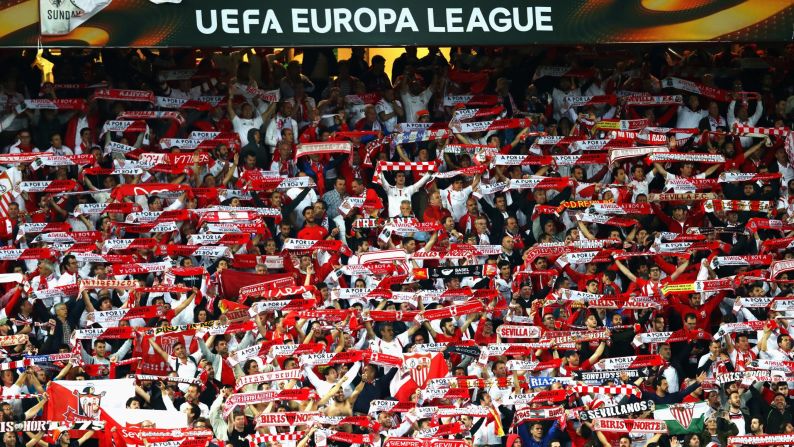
(413,97)
(390,110)
(57,147)
(742,117)
(689,117)
(400,191)
(454,198)
(282,120)
(247,119)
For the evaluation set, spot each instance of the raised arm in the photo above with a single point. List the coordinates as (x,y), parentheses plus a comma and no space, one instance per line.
(230,103)
(158,349)
(631,276)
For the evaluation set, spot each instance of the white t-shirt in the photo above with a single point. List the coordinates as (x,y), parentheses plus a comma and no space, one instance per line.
(414,104)
(387,108)
(394,347)
(63,150)
(186,370)
(242,126)
(455,201)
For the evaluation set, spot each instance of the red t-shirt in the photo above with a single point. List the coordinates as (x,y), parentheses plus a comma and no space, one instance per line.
(315,233)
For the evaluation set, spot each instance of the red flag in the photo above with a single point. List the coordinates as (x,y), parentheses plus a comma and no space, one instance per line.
(417,369)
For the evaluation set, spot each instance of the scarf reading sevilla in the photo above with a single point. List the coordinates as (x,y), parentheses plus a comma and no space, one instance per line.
(124,95)
(340,147)
(151,114)
(616,410)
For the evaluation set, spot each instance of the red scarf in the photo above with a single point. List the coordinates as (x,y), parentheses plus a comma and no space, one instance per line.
(227,374)
(317,167)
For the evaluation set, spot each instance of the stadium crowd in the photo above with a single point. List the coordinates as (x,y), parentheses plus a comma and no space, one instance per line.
(505,247)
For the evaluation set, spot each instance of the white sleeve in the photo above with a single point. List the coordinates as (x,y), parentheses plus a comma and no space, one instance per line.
(759,109)
(731,115)
(271,134)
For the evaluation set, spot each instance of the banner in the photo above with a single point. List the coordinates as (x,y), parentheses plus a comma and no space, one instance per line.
(616,410)
(82,400)
(146,24)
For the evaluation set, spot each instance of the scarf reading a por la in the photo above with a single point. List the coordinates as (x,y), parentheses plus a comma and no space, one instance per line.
(466,114)
(606,220)
(579,101)
(744,326)
(509,349)
(485,126)
(620,208)
(691,184)
(669,337)
(123,126)
(471,100)
(630,362)
(56,104)
(48,186)
(549,160)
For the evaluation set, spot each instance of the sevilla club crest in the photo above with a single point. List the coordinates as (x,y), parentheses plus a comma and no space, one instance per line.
(88,403)
(418,366)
